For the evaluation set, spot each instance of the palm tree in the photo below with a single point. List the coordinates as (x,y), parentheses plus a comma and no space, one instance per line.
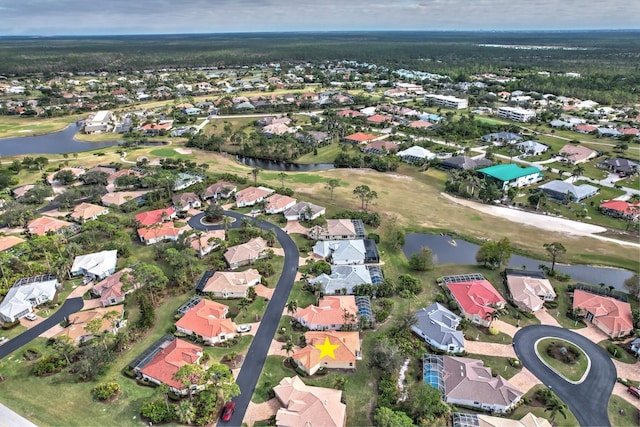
(555,406)
(226,222)
(288,347)
(491,316)
(292,306)
(282,176)
(243,304)
(255,172)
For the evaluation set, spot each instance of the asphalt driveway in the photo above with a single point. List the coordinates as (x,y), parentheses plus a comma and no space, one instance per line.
(588,400)
(257,354)
(70,306)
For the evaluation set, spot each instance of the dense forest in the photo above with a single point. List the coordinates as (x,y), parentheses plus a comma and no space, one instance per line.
(609,61)
(440,52)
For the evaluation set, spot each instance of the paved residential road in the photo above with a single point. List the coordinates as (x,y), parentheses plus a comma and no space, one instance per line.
(257,354)
(588,400)
(70,306)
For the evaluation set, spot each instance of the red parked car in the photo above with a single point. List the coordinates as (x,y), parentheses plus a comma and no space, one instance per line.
(227,411)
(634,391)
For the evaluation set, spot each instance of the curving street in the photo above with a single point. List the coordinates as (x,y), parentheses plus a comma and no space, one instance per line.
(588,400)
(70,306)
(257,354)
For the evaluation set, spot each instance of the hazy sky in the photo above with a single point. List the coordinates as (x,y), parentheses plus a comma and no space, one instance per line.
(61,17)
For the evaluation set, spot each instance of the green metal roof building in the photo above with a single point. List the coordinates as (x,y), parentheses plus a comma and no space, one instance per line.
(511,175)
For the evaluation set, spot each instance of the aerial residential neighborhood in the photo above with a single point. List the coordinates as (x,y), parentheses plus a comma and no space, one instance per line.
(320,242)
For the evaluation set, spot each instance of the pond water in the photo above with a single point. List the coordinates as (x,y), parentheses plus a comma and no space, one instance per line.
(444,252)
(53,143)
(274,165)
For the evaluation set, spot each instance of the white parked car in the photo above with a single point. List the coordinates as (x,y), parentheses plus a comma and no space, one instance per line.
(244,328)
(31,316)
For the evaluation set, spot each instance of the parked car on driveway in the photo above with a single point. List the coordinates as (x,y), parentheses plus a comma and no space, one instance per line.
(634,391)
(31,316)
(244,328)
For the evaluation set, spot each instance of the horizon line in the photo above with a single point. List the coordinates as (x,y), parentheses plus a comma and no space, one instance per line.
(581,30)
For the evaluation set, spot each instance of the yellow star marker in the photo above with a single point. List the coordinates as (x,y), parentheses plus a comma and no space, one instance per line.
(326,348)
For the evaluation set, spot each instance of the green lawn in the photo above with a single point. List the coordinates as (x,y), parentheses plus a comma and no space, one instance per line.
(476,333)
(623,413)
(326,154)
(573,372)
(75,407)
(621,354)
(537,409)
(13,126)
(170,153)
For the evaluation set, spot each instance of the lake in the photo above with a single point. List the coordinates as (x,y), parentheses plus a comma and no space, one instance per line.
(274,165)
(465,253)
(61,142)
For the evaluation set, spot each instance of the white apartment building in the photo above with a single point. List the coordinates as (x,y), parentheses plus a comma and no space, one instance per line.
(447,101)
(516,114)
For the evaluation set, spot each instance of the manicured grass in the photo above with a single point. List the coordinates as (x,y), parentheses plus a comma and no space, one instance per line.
(326,154)
(572,372)
(218,353)
(12,126)
(272,372)
(473,332)
(99,137)
(298,178)
(304,298)
(631,182)
(75,406)
(621,354)
(623,413)
(537,409)
(498,365)
(171,153)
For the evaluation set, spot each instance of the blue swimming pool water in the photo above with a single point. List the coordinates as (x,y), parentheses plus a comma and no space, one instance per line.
(430,376)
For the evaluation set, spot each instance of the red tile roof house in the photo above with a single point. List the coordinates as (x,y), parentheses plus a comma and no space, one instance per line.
(207,319)
(584,128)
(157,216)
(251,195)
(156,128)
(611,316)
(219,190)
(43,225)
(7,242)
(349,113)
(228,284)
(621,209)
(278,203)
(331,313)
(575,154)
(161,232)
(346,351)
(185,201)
(477,299)
(378,119)
(110,291)
(359,138)
(247,253)
(169,354)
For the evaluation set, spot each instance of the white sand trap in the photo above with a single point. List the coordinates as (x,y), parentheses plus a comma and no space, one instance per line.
(183,150)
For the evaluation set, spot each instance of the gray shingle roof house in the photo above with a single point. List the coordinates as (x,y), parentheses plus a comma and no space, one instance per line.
(437,326)
(341,252)
(534,148)
(561,190)
(343,279)
(301,211)
(635,347)
(502,137)
(619,165)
